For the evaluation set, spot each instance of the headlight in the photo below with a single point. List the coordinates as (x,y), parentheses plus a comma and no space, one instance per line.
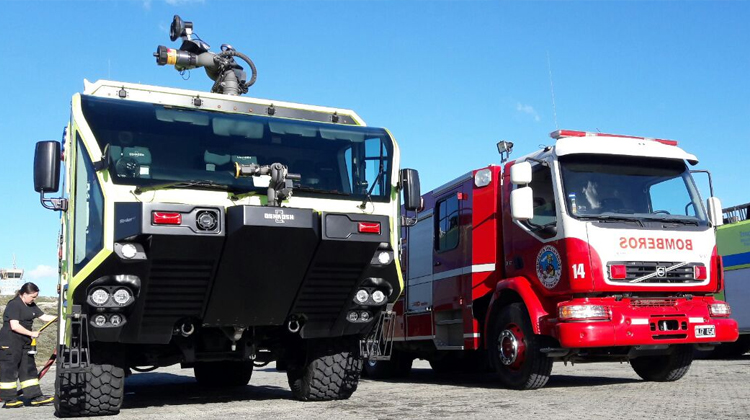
(129,251)
(352,317)
(719,309)
(584,313)
(100,320)
(384,257)
(378,297)
(121,296)
(364,316)
(99,297)
(361,296)
(115,320)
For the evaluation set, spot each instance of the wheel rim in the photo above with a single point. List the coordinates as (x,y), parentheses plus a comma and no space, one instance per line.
(511,347)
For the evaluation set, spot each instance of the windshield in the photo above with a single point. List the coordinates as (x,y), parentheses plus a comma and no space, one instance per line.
(623,187)
(155,145)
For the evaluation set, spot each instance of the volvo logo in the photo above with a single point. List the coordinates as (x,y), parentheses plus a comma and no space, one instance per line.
(661,271)
(278,216)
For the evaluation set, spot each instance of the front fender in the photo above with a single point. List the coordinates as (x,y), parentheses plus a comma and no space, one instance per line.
(509,291)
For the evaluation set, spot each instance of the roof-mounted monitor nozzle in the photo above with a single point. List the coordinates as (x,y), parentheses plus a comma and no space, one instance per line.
(504,148)
(228,76)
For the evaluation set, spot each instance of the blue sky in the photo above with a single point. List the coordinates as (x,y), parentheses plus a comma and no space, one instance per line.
(448,78)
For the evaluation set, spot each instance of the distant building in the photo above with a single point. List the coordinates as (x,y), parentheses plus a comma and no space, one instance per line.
(11,279)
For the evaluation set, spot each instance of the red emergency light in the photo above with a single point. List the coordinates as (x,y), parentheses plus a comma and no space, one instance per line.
(573,133)
(368,227)
(163,218)
(618,271)
(700,272)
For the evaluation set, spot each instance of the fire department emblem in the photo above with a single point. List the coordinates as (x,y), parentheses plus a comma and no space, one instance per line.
(548,268)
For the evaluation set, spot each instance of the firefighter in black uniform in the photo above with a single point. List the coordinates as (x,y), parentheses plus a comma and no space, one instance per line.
(16,364)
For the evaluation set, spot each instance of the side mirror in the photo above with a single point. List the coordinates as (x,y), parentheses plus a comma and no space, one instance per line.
(715,215)
(47,174)
(410,186)
(522,203)
(47,166)
(520,173)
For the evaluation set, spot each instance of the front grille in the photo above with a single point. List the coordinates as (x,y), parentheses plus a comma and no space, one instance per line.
(653,303)
(326,290)
(176,289)
(638,269)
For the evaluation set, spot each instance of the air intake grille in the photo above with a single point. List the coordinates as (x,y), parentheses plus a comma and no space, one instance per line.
(658,270)
(176,289)
(326,291)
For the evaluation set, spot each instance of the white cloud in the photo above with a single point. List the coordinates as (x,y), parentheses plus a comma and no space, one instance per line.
(528,110)
(41,271)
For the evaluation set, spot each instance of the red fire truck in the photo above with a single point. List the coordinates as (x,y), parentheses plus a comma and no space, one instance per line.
(595,248)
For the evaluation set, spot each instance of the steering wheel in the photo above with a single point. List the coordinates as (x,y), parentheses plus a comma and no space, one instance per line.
(127,167)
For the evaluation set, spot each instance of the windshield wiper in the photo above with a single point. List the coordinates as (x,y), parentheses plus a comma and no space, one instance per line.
(319,190)
(615,218)
(183,184)
(667,219)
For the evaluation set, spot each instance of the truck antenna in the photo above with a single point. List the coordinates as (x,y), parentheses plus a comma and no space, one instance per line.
(552,90)
(228,76)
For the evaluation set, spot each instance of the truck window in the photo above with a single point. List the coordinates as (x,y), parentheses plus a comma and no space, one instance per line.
(671,197)
(88,227)
(152,144)
(545,211)
(447,224)
(630,187)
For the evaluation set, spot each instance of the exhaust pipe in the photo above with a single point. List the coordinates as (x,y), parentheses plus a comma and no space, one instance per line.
(187,329)
(293,326)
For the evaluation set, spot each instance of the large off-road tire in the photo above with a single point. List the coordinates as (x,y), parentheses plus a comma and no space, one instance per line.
(97,392)
(223,374)
(664,368)
(328,370)
(398,367)
(514,350)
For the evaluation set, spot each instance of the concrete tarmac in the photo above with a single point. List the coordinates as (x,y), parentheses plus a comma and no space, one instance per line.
(712,389)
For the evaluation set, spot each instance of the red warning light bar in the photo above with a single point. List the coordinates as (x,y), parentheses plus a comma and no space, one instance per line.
(573,133)
(369,227)
(162,218)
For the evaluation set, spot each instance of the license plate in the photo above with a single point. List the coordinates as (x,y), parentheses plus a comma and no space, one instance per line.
(705,331)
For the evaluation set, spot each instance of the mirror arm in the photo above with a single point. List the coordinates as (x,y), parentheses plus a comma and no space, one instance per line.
(539,161)
(55,204)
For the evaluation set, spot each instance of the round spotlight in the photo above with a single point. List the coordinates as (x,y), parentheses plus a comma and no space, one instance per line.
(361,296)
(364,316)
(129,251)
(99,297)
(100,320)
(115,320)
(378,297)
(384,257)
(352,317)
(121,296)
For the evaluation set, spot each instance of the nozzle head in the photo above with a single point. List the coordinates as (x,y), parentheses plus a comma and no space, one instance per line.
(161,55)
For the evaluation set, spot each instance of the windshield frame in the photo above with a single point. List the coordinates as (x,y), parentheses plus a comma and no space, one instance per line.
(640,166)
(322,147)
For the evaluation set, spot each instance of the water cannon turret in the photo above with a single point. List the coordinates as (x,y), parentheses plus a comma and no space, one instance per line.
(229,77)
